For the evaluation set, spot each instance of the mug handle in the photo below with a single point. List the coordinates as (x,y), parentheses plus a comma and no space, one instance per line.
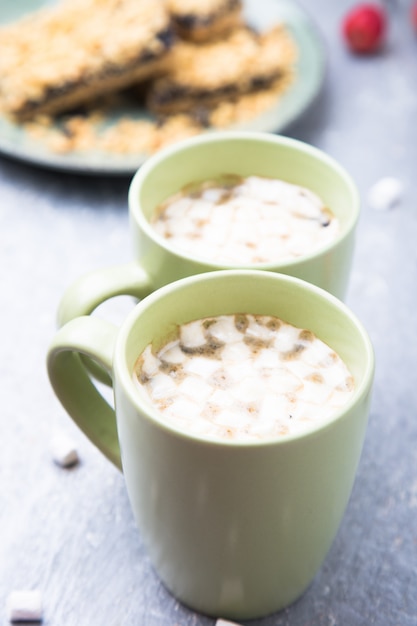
(94,288)
(94,338)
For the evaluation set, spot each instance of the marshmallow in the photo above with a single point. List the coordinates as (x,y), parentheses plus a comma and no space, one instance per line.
(223,622)
(385,193)
(24,606)
(64,451)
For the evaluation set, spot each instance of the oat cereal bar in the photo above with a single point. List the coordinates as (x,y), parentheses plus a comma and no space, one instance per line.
(203,75)
(61,56)
(200,20)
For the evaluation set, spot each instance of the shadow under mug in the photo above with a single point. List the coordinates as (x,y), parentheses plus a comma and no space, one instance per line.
(209,156)
(234,529)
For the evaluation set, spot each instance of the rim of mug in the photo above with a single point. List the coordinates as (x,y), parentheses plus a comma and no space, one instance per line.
(220,136)
(145,407)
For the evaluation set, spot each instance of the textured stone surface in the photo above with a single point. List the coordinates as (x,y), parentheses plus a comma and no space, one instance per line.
(70,532)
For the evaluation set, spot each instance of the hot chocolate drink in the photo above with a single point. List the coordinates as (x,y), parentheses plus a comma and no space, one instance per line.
(245,220)
(244,378)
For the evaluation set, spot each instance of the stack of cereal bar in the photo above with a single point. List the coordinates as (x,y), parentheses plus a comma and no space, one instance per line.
(192,63)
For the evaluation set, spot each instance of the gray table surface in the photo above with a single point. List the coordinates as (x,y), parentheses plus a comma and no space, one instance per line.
(70,533)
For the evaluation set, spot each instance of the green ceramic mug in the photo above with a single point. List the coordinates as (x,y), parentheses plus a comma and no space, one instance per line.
(207,156)
(236,530)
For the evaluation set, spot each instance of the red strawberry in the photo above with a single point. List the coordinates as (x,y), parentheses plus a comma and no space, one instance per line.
(364,28)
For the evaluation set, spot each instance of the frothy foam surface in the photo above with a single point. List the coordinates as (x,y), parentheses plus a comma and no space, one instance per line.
(244,377)
(246,220)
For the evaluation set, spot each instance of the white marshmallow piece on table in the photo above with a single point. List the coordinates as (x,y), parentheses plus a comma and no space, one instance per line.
(385,193)
(64,451)
(24,606)
(224,622)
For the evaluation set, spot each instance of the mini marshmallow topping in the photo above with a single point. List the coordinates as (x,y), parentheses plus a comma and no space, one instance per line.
(244,377)
(246,220)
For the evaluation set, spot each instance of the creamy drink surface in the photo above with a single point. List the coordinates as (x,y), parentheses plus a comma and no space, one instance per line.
(245,220)
(244,378)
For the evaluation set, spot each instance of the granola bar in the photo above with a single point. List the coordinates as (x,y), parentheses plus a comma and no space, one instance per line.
(61,56)
(200,20)
(203,75)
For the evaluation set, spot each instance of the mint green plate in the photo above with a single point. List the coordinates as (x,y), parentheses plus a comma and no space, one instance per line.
(15,141)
